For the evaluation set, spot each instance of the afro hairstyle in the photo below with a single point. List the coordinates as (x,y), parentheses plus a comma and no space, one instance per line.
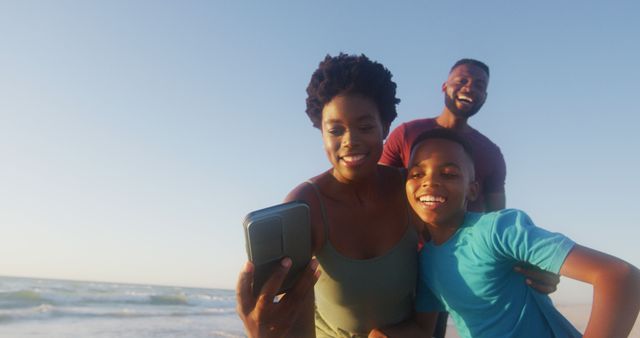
(351,75)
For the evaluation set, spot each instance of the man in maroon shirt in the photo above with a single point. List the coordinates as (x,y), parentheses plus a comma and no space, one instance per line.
(464,94)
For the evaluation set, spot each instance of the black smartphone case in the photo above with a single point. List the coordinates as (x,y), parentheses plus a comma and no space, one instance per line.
(272,233)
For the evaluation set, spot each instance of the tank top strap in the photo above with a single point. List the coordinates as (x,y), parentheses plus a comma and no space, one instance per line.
(323,210)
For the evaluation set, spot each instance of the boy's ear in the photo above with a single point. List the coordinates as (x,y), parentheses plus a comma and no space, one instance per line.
(472,191)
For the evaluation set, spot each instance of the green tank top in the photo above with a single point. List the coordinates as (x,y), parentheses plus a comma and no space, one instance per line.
(354,296)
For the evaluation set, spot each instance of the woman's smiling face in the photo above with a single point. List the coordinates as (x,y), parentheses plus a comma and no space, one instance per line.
(353,135)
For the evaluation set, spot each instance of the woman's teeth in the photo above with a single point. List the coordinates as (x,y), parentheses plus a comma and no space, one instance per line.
(353,158)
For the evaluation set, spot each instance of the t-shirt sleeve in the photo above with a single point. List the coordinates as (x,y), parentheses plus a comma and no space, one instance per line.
(393,147)
(494,183)
(515,236)
(426,301)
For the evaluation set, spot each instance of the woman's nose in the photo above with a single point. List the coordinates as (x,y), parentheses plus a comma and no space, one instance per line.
(350,139)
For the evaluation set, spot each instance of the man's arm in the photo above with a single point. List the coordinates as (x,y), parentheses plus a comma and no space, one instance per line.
(493,185)
(616,290)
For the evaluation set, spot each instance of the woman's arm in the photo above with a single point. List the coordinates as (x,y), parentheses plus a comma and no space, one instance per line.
(291,316)
(616,290)
(422,326)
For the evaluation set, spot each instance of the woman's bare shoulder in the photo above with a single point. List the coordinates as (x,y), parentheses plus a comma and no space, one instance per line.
(305,191)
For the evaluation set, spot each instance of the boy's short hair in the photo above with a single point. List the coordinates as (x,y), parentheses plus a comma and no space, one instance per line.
(351,74)
(446,134)
(472,62)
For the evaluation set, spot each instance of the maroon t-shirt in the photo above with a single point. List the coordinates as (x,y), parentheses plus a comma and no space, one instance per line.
(490,167)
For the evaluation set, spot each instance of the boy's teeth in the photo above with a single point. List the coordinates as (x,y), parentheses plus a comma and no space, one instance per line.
(430,198)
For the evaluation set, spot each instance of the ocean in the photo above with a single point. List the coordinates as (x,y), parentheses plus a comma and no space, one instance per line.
(35,307)
(32,307)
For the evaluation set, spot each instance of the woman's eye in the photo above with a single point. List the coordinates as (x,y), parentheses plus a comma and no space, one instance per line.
(366,128)
(335,131)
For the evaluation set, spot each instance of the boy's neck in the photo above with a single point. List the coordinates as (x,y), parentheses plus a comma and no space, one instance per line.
(440,233)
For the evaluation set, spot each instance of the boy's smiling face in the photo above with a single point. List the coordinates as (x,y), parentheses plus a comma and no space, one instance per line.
(440,181)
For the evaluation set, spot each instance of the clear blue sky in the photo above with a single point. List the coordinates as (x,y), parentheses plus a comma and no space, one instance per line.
(135,136)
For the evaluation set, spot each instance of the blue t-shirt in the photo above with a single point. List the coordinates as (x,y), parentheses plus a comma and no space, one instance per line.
(471,276)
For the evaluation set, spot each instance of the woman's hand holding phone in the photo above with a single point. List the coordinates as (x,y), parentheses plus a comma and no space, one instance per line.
(262,316)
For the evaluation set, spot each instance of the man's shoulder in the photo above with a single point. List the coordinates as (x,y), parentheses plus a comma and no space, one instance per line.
(428,123)
(413,128)
(406,132)
(481,141)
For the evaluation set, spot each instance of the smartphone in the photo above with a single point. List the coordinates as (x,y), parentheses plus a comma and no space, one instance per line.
(272,233)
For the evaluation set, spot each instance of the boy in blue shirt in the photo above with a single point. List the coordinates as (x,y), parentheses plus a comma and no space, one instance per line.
(466,266)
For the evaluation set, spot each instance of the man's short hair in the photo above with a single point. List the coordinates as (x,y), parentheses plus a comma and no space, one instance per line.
(472,62)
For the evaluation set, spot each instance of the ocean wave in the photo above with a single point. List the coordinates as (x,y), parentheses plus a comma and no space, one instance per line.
(45,300)
(49,312)
(31,298)
(178,299)
(22,298)
(20,295)
(226,334)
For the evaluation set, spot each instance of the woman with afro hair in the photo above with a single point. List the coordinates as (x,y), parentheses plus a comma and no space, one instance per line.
(362,232)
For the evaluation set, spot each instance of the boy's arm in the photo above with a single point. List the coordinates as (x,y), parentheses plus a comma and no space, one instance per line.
(616,290)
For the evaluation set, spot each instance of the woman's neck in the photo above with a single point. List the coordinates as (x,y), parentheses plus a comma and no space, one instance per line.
(358,191)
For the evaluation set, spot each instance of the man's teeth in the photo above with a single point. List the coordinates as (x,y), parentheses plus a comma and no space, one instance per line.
(465,98)
(353,158)
(430,198)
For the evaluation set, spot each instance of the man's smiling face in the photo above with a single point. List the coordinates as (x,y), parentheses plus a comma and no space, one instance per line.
(465,90)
